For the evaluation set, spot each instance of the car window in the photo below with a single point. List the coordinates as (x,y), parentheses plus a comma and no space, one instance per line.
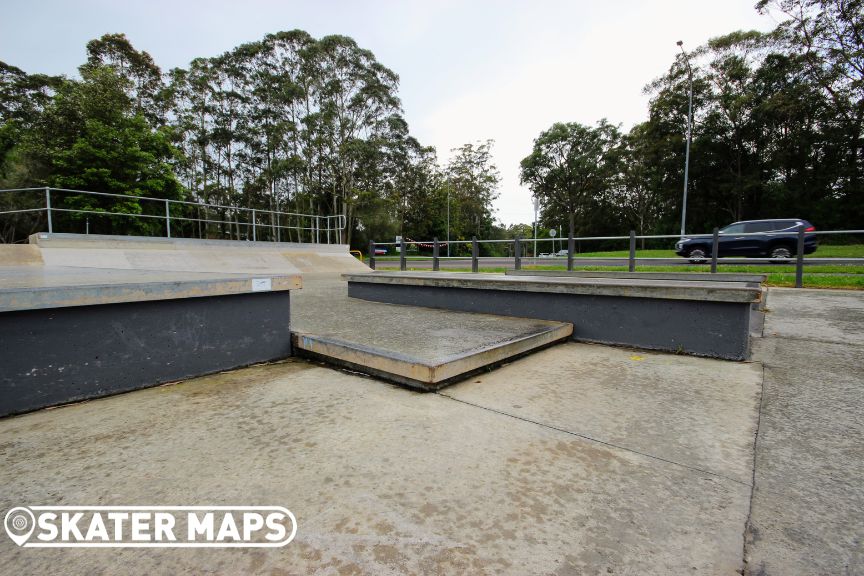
(758,226)
(733,229)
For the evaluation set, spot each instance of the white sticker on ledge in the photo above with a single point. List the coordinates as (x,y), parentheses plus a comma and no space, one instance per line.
(261,285)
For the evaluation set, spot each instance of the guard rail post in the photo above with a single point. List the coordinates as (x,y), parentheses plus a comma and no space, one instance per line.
(48,209)
(517,253)
(799,261)
(475,251)
(715,248)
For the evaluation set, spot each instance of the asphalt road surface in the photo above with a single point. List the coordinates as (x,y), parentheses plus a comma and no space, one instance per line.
(508,262)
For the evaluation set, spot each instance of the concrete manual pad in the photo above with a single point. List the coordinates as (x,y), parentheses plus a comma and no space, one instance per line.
(419,347)
(382,480)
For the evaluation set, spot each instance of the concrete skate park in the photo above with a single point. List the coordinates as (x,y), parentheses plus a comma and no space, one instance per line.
(431,422)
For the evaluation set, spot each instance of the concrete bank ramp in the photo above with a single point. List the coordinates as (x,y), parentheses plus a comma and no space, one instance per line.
(193,255)
(414,346)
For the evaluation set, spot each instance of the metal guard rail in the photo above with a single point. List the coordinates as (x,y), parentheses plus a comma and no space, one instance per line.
(335,223)
(517,248)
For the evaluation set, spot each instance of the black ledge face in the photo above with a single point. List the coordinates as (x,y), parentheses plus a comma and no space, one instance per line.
(701,328)
(61,355)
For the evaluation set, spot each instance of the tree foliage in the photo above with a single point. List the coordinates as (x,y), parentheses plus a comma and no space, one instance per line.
(777,132)
(290,124)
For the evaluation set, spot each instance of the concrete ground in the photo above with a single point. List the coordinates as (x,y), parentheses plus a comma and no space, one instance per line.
(809,496)
(580,459)
(592,460)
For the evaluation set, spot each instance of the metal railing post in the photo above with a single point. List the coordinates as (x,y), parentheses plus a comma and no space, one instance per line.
(435,252)
(402,263)
(168,218)
(715,248)
(799,261)
(475,253)
(631,262)
(517,253)
(48,209)
(254,231)
(372,254)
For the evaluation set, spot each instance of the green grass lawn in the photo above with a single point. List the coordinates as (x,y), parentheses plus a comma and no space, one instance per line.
(824,251)
(846,251)
(741,268)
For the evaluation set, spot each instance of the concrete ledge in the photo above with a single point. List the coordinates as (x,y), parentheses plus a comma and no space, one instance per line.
(70,334)
(61,355)
(423,373)
(711,320)
(663,289)
(32,287)
(685,276)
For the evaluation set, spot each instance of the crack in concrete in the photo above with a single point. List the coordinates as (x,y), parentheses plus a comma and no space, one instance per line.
(596,440)
(744,551)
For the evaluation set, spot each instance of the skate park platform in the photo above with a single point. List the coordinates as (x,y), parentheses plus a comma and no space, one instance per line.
(174,308)
(701,318)
(164,309)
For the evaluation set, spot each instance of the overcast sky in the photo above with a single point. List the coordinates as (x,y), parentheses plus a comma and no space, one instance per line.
(469,70)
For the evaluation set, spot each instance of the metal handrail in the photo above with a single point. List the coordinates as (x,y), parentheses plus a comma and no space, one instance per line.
(318,224)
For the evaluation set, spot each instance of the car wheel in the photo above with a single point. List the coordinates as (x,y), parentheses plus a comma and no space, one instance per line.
(696,255)
(781,252)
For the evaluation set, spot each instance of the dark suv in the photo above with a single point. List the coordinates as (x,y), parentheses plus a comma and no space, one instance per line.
(751,238)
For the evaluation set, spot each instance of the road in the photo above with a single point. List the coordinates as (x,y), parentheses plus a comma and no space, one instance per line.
(495,262)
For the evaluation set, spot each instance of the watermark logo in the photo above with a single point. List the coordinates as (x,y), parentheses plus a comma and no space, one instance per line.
(150,526)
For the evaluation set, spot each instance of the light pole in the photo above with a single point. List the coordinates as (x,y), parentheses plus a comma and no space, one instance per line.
(689,134)
(448,220)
